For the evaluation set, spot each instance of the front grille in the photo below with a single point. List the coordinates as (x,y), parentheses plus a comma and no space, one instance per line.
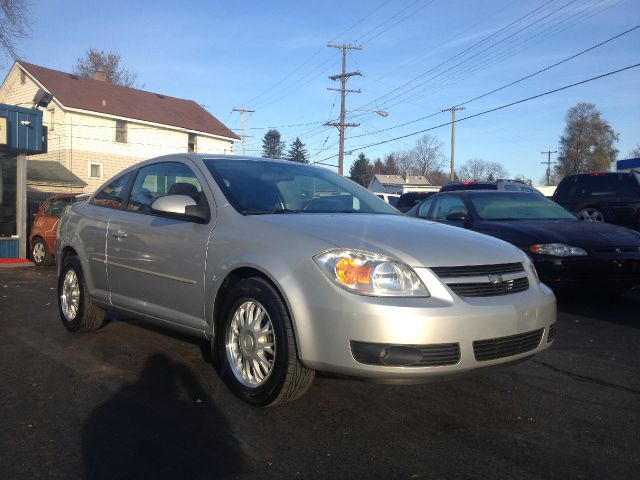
(463,281)
(493,348)
(552,333)
(485,289)
(478,270)
(615,250)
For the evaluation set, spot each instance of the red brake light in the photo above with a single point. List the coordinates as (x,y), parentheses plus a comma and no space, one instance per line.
(468,183)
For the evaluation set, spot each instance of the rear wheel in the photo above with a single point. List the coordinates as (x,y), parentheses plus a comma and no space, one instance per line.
(77,311)
(257,355)
(40,254)
(591,214)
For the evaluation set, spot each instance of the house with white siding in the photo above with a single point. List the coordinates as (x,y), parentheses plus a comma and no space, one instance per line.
(96,129)
(400,184)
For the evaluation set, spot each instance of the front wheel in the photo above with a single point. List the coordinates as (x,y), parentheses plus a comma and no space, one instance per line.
(40,255)
(256,347)
(77,311)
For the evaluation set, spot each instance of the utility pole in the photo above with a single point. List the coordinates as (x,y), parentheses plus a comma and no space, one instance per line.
(453,111)
(242,112)
(343,77)
(548,162)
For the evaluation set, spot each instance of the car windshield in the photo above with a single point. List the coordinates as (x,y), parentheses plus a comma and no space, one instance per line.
(264,187)
(518,206)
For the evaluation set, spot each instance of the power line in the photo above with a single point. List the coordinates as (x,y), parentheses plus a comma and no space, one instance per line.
(501,107)
(521,79)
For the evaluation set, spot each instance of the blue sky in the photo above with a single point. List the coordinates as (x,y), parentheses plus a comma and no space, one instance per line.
(418,57)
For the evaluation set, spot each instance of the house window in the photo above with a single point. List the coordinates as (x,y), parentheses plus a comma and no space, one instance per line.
(121,131)
(191,145)
(95,170)
(23,78)
(52,119)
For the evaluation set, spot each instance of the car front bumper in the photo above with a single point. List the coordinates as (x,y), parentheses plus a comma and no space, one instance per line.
(589,271)
(379,338)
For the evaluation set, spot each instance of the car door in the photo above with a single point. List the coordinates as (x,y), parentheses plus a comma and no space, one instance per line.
(155,262)
(92,232)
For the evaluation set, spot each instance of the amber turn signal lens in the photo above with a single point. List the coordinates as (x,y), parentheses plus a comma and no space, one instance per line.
(350,273)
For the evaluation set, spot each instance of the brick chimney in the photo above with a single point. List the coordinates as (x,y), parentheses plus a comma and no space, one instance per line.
(100,75)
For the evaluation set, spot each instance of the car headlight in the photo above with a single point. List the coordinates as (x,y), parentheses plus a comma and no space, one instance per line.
(370,274)
(558,250)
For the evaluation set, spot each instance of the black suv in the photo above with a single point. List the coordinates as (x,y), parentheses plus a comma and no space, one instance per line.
(602,197)
(409,199)
(508,185)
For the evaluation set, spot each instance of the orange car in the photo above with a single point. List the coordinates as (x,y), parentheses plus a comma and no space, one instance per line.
(45,224)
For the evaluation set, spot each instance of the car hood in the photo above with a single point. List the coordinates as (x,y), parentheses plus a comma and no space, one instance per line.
(576,233)
(416,242)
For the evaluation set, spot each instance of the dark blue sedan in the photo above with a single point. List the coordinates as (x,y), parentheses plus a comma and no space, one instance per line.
(567,252)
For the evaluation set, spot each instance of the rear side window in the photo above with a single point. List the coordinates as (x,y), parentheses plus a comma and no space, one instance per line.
(56,207)
(111,195)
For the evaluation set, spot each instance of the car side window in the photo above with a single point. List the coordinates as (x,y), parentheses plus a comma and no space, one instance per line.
(423,209)
(448,205)
(160,179)
(111,196)
(57,207)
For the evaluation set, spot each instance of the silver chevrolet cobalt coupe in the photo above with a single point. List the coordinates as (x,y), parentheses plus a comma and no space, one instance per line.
(288,268)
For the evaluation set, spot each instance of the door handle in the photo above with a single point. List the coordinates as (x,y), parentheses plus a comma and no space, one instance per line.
(119,234)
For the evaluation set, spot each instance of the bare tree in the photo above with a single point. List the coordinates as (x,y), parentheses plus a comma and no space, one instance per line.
(404,163)
(478,169)
(438,177)
(109,62)
(14,24)
(635,152)
(427,154)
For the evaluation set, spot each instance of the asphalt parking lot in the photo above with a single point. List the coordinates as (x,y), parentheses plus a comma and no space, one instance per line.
(136,401)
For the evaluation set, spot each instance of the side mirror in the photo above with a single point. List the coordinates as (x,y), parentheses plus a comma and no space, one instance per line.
(181,206)
(457,217)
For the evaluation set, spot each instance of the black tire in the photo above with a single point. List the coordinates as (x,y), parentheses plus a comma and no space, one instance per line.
(77,311)
(40,254)
(287,379)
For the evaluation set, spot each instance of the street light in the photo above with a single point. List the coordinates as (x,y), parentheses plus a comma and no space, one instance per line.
(382,113)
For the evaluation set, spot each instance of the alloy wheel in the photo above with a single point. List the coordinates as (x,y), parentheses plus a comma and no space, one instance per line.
(70,295)
(250,344)
(591,215)
(38,252)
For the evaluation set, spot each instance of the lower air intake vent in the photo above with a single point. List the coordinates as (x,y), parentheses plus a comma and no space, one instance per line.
(493,348)
(406,355)
(552,333)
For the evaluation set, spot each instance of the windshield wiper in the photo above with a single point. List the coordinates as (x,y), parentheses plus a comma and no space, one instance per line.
(285,210)
(269,212)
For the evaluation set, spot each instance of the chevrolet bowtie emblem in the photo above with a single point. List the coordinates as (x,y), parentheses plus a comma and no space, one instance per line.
(495,279)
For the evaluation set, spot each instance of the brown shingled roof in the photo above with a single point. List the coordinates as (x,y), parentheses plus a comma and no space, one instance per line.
(96,96)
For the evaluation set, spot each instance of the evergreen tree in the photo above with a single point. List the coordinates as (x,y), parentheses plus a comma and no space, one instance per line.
(297,152)
(361,171)
(272,145)
(588,142)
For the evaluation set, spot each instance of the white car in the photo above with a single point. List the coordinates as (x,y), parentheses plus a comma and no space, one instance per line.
(288,269)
